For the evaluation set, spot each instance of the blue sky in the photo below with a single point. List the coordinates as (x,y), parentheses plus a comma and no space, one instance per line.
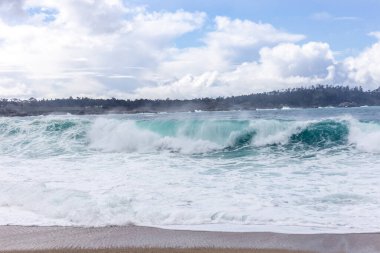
(344,24)
(185,49)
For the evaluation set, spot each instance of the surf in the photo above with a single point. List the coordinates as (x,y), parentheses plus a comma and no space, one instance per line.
(51,136)
(211,170)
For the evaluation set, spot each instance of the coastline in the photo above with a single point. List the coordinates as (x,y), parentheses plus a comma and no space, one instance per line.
(123,237)
(312,97)
(126,112)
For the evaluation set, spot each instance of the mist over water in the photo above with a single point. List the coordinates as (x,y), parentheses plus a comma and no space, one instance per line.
(312,170)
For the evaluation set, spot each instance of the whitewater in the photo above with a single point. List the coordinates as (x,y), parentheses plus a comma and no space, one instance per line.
(294,170)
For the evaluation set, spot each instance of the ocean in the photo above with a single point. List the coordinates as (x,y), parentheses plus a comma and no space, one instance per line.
(290,170)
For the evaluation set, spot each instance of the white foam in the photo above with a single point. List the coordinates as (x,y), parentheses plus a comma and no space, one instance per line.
(365,136)
(115,135)
(274,131)
(130,175)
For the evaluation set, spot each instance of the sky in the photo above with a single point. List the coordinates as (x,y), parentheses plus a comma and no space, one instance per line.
(184,49)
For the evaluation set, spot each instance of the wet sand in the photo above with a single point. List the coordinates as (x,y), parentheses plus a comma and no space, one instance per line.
(159,250)
(127,237)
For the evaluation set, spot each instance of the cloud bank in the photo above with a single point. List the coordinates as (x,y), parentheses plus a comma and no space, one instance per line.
(111,48)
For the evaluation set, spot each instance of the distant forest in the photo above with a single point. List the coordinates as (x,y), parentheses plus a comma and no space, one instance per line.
(315,96)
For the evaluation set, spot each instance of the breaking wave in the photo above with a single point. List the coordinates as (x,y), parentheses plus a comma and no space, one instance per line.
(194,170)
(206,136)
(52,136)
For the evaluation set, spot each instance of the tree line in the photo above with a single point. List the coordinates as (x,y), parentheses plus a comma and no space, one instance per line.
(304,97)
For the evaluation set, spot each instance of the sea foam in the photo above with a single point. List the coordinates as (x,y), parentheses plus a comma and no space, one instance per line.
(228,171)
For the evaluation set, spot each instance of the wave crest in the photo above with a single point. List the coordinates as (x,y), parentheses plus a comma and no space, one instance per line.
(52,136)
(115,135)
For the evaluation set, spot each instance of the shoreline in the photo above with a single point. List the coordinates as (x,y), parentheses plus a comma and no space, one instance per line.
(69,113)
(32,238)
(313,97)
(260,228)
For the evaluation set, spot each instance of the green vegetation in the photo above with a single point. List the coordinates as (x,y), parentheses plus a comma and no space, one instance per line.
(315,96)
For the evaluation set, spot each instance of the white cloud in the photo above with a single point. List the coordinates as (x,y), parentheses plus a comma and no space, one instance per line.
(188,86)
(309,60)
(109,48)
(106,37)
(326,16)
(230,43)
(12,11)
(245,33)
(375,34)
(13,88)
(364,69)
(285,65)
(323,15)
(165,24)
(84,15)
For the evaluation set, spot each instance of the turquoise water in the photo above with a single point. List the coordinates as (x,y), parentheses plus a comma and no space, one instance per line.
(295,170)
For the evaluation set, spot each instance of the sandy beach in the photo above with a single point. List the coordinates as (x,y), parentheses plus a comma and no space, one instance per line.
(160,250)
(126,237)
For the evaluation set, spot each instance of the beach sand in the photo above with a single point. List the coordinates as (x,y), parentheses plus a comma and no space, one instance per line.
(159,250)
(136,239)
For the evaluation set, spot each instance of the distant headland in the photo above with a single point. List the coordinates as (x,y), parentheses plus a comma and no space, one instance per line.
(311,97)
